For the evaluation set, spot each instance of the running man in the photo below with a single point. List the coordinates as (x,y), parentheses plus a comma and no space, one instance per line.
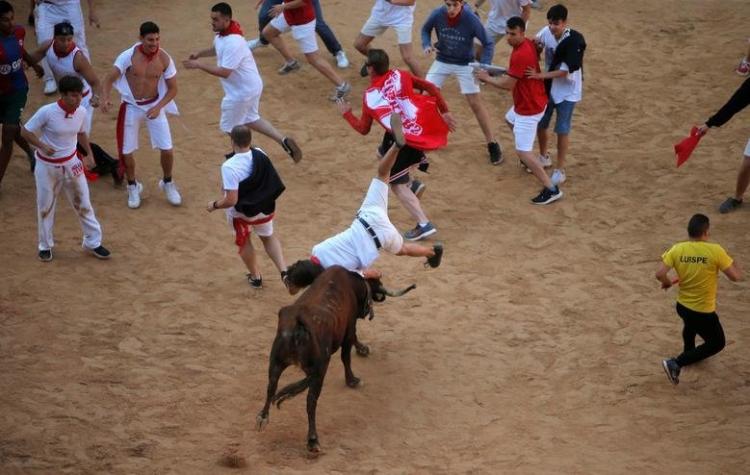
(55,130)
(697,263)
(144,75)
(396,14)
(250,188)
(456,27)
(239,76)
(298,16)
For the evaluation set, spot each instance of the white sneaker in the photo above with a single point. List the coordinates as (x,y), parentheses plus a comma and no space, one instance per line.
(545,160)
(170,189)
(134,195)
(341,60)
(558,176)
(340,92)
(255,44)
(50,86)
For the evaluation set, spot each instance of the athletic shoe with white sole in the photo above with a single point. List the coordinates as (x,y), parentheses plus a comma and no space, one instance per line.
(45,255)
(50,86)
(341,91)
(101,252)
(672,369)
(134,195)
(545,160)
(287,68)
(743,69)
(255,44)
(730,204)
(255,282)
(170,190)
(547,196)
(341,60)
(558,176)
(420,232)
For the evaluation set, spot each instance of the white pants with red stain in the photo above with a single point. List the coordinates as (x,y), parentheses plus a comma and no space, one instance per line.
(50,178)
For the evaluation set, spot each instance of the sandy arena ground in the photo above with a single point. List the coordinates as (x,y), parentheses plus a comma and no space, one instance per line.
(535,348)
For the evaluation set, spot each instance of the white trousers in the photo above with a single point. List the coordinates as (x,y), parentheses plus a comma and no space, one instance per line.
(48,15)
(50,178)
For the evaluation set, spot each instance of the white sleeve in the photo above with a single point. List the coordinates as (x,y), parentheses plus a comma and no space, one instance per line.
(123,61)
(523,3)
(229,179)
(540,34)
(171,70)
(232,54)
(37,121)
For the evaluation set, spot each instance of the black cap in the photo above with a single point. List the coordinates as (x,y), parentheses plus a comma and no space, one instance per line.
(64,29)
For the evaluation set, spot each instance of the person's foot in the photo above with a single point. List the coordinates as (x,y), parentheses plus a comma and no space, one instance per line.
(496,154)
(341,60)
(255,282)
(730,204)
(134,195)
(45,255)
(558,176)
(100,252)
(545,160)
(341,91)
(536,4)
(170,190)
(743,69)
(672,369)
(255,43)
(363,70)
(287,68)
(547,196)
(435,260)
(420,232)
(417,187)
(50,86)
(291,147)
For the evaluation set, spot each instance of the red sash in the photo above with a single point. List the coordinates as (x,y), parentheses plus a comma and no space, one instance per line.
(242,229)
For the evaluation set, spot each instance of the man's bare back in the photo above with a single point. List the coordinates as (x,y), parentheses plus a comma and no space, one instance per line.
(143,75)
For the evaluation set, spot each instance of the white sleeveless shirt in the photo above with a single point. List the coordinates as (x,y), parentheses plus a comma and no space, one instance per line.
(63,66)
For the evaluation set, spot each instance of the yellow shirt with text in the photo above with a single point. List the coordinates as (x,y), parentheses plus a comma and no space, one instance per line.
(697,264)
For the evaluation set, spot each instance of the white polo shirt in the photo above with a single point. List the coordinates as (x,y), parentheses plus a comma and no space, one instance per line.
(501,11)
(56,130)
(387,14)
(568,88)
(233,53)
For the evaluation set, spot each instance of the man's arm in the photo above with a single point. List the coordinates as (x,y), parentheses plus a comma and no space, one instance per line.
(429,24)
(277,10)
(500,82)
(661,276)
(526,13)
(558,73)
(361,125)
(205,53)
(217,71)
(82,65)
(488,46)
(739,100)
(386,163)
(113,76)
(34,140)
(93,18)
(227,201)
(39,53)
(733,272)
(153,113)
(88,160)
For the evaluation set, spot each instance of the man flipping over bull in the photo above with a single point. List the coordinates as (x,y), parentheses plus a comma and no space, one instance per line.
(359,246)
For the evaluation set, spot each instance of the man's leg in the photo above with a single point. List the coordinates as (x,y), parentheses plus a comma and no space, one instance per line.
(272,245)
(710,330)
(273,36)
(77,192)
(48,183)
(167,161)
(410,202)
(483,117)
(407,54)
(324,31)
(743,178)
(324,68)
(264,18)
(6,148)
(247,253)
(362,43)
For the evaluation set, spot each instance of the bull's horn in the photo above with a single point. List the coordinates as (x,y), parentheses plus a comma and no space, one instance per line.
(399,293)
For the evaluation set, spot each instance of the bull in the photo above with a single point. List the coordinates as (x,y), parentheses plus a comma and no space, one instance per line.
(322,320)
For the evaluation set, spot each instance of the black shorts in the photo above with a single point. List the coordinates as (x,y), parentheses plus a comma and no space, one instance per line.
(407,158)
(11,106)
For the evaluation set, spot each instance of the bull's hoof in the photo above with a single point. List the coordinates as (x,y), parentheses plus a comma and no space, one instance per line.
(363,350)
(313,446)
(261,421)
(354,382)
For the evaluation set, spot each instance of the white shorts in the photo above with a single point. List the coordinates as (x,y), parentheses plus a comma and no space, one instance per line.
(158,129)
(49,14)
(440,71)
(373,27)
(263,229)
(303,34)
(747,149)
(235,113)
(86,104)
(495,34)
(524,129)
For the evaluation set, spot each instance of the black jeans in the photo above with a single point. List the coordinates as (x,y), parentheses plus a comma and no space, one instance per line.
(708,327)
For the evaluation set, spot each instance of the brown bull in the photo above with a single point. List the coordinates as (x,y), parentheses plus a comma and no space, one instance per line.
(312,329)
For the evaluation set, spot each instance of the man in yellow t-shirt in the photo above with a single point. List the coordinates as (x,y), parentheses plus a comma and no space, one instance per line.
(697,263)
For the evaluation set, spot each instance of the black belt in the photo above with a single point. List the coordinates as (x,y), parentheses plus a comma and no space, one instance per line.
(371,231)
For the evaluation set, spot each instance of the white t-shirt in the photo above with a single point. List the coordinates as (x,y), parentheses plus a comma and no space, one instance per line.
(387,14)
(355,248)
(65,66)
(236,169)
(568,88)
(233,53)
(56,130)
(63,2)
(501,11)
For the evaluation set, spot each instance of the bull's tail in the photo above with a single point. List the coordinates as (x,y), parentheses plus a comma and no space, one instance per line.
(291,390)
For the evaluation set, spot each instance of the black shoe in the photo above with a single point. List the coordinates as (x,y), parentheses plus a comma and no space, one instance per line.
(291,147)
(363,71)
(46,255)
(417,187)
(255,282)
(434,261)
(672,369)
(547,196)
(496,155)
(101,252)
(730,204)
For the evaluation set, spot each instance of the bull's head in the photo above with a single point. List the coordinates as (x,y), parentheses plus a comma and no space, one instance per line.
(378,292)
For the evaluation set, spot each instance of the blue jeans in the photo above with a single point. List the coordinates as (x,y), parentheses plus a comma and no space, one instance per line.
(321,27)
(564,116)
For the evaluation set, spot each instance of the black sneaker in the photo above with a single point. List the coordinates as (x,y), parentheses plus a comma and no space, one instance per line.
(363,71)
(46,255)
(417,187)
(730,204)
(547,196)
(435,260)
(496,155)
(672,369)
(291,147)
(101,252)
(255,282)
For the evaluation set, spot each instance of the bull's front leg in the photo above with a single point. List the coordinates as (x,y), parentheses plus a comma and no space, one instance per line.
(274,373)
(362,349)
(316,385)
(346,358)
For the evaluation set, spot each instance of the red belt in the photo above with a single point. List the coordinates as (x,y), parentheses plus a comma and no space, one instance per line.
(55,160)
(146,102)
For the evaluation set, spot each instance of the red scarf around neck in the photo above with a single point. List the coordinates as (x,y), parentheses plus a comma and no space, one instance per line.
(233,29)
(70,49)
(69,111)
(149,56)
(454,21)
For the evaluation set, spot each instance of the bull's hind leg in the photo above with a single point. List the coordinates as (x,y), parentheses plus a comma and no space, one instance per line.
(274,373)
(289,391)
(316,385)
(362,349)
(346,358)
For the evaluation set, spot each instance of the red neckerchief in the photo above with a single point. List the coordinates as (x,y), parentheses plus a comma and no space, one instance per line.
(69,111)
(233,29)
(454,21)
(149,56)
(70,49)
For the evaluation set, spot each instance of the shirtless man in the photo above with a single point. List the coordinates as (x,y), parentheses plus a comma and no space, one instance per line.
(144,75)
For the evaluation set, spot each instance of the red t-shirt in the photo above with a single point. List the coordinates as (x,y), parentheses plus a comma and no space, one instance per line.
(300,15)
(529,96)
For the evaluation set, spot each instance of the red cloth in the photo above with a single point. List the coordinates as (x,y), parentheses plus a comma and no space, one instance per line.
(149,56)
(529,96)
(424,127)
(300,15)
(242,229)
(454,21)
(70,48)
(683,149)
(233,29)
(120,137)
(69,111)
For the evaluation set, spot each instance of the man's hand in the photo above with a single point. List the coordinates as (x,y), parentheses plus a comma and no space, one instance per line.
(48,151)
(276,10)
(429,50)
(702,130)
(448,118)
(94,19)
(106,105)
(258,4)
(89,162)
(482,75)
(210,207)
(343,106)
(191,63)
(153,113)
(38,70)
(533,74)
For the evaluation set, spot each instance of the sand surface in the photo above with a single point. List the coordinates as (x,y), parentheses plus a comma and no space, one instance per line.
(535,348)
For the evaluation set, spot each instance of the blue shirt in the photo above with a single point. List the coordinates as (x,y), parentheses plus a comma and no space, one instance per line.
(12,75)
(455,44)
